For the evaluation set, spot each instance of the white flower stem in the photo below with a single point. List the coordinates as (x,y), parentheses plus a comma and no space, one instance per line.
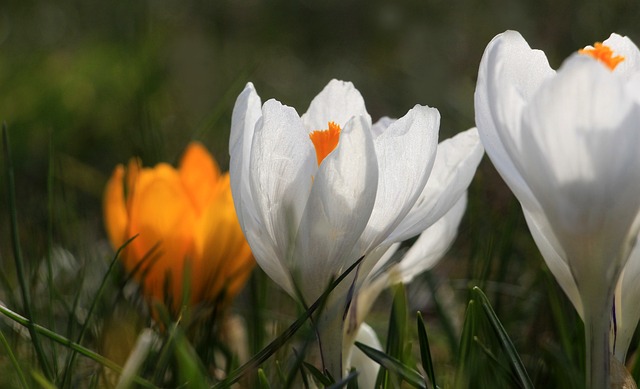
(329,327)
(596,326)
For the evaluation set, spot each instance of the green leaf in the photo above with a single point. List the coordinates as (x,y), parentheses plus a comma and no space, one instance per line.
(411,376)
(263,382)
(396,335)
(317,374)
(505,341)
(190,369)
(425,351)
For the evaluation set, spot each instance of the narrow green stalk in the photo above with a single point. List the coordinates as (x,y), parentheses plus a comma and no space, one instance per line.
(14,362)
(50,288)
(17,255)
(70,344)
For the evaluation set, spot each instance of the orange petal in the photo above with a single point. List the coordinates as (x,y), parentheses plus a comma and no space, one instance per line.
(115,211)
(224,256)
(162,214)
(199,174)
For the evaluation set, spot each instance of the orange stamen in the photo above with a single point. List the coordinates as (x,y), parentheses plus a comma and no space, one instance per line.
(604,54)
(325,141)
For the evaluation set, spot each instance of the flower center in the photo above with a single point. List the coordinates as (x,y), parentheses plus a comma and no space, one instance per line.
(604,54)
(325,140)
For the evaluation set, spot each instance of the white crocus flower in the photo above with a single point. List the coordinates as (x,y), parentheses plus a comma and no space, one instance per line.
(566,143)
(315,193)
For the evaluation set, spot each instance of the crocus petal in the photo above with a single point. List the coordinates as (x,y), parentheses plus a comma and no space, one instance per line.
(163,216)
(406,153)
(433,243)
(246,113)
(338,102)
(623,46)
(115,211)
(553,256)
(366,367)
(223,256)
(338,208)
(199,173)
(627,308)
(282,166)
(455,165)
(510,73)
(381,126)
(571,128)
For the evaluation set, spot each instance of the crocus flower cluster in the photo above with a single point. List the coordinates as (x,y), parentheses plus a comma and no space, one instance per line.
(183,220)
(566,142)
(317,192)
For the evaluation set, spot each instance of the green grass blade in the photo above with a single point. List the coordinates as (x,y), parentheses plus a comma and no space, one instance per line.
(191,371)
(43,381)
(17,255)
(425,351)
(396,334)
(14,361)
(317,374)
(346,381)
(263,382)
(466,341)
(505,341)
(411,376)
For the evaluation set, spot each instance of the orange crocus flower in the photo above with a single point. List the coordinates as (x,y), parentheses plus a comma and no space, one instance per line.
(184,218)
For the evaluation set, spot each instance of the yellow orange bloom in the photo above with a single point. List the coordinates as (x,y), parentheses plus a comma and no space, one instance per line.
(184,219)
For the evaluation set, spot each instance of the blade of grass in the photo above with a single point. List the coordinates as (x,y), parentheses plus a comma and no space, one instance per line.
(396,333)
(44,383)
(466,338)
(17,255)
(425,351)
(278,342)
(505,341)
(50,207)
(70,344)
(409,375)
(346,381)
(14,361)
(263,382)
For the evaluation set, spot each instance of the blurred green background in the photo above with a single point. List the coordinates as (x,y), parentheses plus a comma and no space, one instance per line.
(86,84)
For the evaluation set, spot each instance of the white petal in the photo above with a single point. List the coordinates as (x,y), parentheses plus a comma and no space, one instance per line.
(456,162)
(338,102)
(622,45)
(381,125)
(283,162)
(553,256)
(341,200)
(367,368)
(433,243)
(627,307)
(510,73)
(246,112)
(571,129)
(406,153)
